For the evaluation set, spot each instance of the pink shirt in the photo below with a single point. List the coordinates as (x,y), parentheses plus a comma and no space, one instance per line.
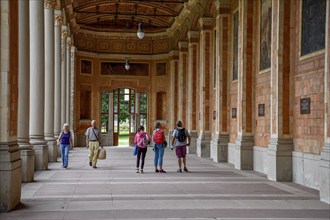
(139,138)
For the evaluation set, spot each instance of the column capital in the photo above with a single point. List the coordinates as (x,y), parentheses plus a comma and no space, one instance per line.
(205,23)
(183,46)
(69,42)
(64,31)
(193,36)
(58,20)
(174,54)
(50,4)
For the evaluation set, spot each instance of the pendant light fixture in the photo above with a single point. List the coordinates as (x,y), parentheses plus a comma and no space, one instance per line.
(140,33)
(127,66)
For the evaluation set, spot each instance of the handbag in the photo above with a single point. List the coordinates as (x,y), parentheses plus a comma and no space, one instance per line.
(135,150)
(102,154)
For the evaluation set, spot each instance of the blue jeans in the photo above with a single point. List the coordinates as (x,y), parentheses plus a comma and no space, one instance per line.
(65,154)
(159,154)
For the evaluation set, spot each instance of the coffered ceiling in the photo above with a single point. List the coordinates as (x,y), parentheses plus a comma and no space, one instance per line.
(124,15)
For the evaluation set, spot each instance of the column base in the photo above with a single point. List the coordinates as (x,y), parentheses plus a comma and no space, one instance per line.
(203,144)
(192,149)
(280,159)
(244,152)
(28,162)
(219,148)
(52,150)
(10,176)
(41,157)
(325,174)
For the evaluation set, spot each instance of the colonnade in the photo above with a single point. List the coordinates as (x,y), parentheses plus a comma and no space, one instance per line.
(44,88)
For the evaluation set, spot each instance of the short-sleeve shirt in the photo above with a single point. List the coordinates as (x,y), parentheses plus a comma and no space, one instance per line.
(90,134)
(175,134)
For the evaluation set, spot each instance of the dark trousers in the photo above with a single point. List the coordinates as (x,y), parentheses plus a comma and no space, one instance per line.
(140,151)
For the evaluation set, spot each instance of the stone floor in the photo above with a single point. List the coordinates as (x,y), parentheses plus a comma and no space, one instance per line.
(114,191)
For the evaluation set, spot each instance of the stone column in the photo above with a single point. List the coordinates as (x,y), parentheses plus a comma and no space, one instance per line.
(174,59)
(193,37)
(63,74)
(325,154)
(37,84)
(245,137)
(182,96)
(281,144)
(73,97)
(49,80)
(26,151)
(204,137)
(68,80)
(10,162)
(57,84)
(220,139)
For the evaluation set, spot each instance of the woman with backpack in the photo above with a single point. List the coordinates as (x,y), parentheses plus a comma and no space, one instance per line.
(158,139)
(141,139)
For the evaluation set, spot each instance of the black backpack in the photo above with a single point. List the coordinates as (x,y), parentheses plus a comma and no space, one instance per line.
(181,136)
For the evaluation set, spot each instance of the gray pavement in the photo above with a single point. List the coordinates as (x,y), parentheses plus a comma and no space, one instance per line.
(114,191)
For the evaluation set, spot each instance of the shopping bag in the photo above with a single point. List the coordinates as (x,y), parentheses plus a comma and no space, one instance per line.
(135,150)
(102,154)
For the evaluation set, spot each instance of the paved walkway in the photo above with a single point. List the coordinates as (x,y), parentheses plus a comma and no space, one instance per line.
(114,191)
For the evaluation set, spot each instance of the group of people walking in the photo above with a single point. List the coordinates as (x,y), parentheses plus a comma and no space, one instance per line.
(180,140)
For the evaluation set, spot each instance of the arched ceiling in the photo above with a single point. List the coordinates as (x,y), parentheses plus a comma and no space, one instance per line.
(123,15)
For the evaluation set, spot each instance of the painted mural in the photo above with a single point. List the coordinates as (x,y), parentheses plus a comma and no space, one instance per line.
(136,69)
(313,18)
(265,33)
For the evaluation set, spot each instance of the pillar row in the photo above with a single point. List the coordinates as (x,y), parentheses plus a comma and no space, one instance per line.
(245,137)
(26,151)
(182,77)
(281,144)
(173,57)
(204,136)
(193,45)
(63,73)
(68,80)
(37,84)
(220,137)
(49,80)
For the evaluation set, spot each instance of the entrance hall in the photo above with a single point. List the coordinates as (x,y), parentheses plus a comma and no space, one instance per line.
(114,191)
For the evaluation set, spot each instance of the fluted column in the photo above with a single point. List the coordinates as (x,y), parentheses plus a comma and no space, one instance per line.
(37,86)
(68,80)
(49,80)
(325,154)
(204,136)
(192,113)
(26,151)
(63,74)
(57,68)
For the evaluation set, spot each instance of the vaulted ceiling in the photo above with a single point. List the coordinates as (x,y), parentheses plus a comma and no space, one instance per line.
(124,15)
(105,26)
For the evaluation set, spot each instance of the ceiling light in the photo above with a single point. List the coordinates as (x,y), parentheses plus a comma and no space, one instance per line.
(127,66)
(140,33)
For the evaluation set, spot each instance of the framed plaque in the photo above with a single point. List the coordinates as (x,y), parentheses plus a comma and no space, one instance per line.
(261,110)
(305,106)
(233,113)
(214,115)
